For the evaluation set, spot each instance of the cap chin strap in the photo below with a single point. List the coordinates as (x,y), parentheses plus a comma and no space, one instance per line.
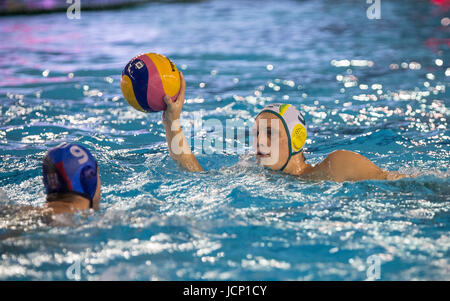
(285,164)
(91,200)
(289,158)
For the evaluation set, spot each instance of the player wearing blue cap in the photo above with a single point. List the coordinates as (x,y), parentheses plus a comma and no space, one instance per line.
(280,138)
(71,179)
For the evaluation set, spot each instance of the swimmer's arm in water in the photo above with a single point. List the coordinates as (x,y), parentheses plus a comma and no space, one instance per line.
(342,165)
(179,149)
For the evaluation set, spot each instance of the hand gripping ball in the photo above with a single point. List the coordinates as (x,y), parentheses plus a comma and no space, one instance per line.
(146,79)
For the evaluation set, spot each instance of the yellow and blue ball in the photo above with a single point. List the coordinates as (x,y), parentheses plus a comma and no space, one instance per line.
(146,79)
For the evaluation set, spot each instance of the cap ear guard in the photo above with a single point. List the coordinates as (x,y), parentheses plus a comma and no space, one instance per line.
(298,137)
(88,179)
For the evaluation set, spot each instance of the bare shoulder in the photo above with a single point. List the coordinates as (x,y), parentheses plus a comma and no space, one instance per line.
(343,165)
(340,159)
(340,154)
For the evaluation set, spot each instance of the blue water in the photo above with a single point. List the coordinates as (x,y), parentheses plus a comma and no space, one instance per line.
(378,87)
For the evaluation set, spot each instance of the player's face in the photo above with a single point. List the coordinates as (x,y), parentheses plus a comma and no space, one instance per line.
(272,149)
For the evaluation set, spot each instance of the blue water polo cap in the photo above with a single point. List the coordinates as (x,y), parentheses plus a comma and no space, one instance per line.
(70,168)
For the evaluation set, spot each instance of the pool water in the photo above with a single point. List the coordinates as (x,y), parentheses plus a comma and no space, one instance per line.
(375,86)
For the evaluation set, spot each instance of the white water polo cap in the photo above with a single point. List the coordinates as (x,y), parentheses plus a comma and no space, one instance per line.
(294,124)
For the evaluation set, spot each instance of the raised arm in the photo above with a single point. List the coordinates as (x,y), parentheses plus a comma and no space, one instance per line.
(179,149)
